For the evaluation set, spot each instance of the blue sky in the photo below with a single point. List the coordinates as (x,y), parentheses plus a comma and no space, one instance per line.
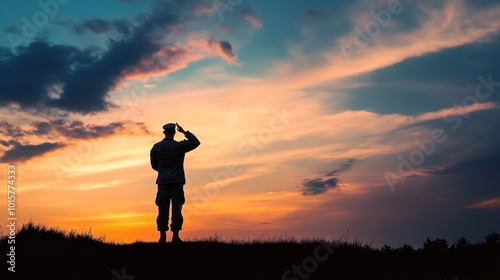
(377,118)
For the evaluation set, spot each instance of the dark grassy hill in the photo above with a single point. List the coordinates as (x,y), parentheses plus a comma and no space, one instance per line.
(43,253)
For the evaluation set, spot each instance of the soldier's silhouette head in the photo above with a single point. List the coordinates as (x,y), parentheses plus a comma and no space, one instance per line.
(169,130)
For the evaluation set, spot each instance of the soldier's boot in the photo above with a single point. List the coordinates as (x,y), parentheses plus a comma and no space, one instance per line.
(176,239)
(163,237)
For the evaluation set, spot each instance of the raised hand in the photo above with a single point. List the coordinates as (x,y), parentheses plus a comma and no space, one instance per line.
(180,129)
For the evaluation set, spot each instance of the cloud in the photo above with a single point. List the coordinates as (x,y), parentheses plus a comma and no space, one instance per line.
(166,60)
(219,48)
(425,207)
(10,130)
(463,200)
(343,167)
(79,130)
(31,75)
(490,203)
(73,129)
(349,58)
(42,75)
(69,131)
(322,185)
(318,186)
(42,128)
(21,152)
(5,143)
(45,76)
(101,26)
(251,16)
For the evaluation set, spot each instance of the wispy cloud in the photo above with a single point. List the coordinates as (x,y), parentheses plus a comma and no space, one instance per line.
(251,16)
(23,149)
(219,48)
(493,203)
(462,25)
(318,186)
(168,59)
(24,152)
(9,130)
(343,167)
(79,130)
(102,26)
(329,181)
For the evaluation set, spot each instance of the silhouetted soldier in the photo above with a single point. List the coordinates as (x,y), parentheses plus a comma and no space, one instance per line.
(167,157)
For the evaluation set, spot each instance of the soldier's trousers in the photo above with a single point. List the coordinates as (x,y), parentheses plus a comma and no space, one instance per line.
(170,193)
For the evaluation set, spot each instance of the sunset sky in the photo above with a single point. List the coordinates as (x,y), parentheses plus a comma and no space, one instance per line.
(375,119)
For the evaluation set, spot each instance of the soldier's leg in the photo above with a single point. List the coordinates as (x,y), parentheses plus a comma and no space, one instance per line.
(178,200)
(163,203)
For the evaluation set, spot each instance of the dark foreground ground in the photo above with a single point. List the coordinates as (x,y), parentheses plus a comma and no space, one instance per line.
(42,253)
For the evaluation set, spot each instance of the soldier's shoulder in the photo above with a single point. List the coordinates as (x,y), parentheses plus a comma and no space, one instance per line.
(157,144)
(165,144)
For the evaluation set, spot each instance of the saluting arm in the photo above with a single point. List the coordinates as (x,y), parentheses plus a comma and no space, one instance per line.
(192,142)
